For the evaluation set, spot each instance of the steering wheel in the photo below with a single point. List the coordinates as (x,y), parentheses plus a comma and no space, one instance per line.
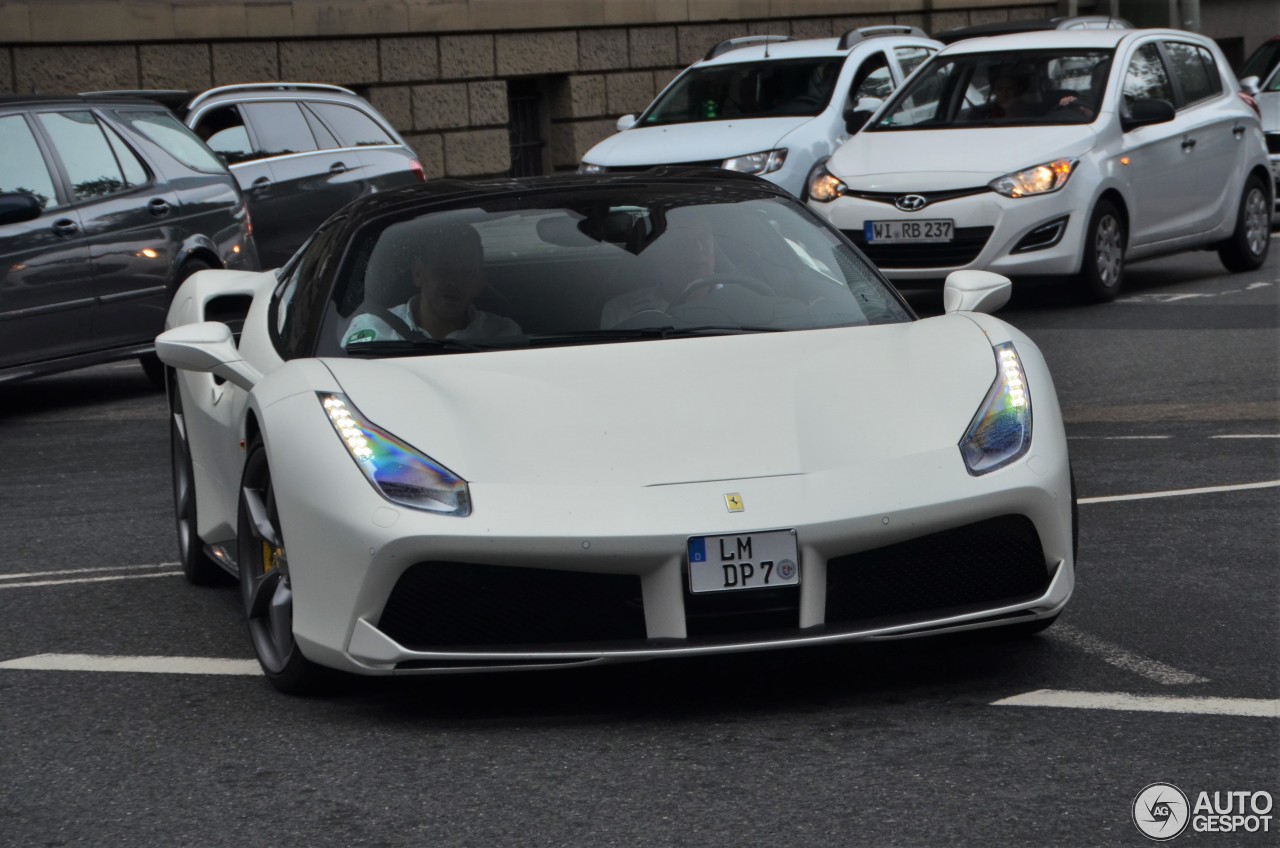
(718,280)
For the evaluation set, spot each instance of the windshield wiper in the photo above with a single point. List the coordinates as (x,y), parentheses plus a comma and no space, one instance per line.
(403,347)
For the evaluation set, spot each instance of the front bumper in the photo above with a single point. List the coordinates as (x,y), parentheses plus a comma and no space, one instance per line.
(1028,236)
(351,553)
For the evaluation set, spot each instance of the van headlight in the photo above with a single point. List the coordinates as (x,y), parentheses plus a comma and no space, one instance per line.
(1041,179)
(1001,430)
(400,473)
(756,163)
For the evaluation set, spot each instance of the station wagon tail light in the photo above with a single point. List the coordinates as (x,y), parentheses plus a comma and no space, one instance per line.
(1251,102)
(765,162)
(825,187)
(1001,430)
(416,167)
(1041,179)
(399,472)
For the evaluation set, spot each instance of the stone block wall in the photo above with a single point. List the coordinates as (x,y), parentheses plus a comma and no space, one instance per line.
(441,77)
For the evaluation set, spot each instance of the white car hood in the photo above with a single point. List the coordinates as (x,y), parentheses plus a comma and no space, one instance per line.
(685,410)
(691,142)
(941,160)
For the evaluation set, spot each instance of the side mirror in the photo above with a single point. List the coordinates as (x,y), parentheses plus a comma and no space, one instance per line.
(1143,113)
(1251,85)
(208,348)
(975,291)
(856,116)
(625,123)
(19,206)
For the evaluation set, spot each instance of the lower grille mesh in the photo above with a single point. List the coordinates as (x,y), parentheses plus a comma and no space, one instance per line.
(986,563)
(456,604)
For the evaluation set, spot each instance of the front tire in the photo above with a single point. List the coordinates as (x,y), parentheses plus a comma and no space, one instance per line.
(1247,248)
(1102,274)
(199,568)
(264,581)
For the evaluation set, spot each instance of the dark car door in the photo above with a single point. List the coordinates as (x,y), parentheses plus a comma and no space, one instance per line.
(126,213)
(308,183)
(46,294)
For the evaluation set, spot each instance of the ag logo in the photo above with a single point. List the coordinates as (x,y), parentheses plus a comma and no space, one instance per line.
(1161,812)
(911,202)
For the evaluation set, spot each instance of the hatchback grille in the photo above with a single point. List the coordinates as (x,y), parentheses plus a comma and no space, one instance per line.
(988,563)
(456,604)
(961,250)
(632,169)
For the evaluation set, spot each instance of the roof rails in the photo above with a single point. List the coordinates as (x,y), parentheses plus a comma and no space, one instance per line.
(853,36)
(743,41)
(267,86)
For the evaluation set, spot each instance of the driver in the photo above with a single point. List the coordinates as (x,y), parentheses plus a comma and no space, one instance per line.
(446,263)
(682,255)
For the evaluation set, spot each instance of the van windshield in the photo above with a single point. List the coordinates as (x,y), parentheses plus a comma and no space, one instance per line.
(778,88)
(1020,88)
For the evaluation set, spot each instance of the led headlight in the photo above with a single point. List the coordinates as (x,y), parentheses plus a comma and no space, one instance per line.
(756,163)
(1042,179)
(825,187)
(1001,431)
(400,473)
(589,168)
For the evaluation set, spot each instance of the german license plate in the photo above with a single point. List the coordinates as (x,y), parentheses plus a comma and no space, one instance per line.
(743,561)
(905,232)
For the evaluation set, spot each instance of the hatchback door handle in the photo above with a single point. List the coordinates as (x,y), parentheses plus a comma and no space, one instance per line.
(159,207)
(65,227)
(1237,131)
(337,168)
(1188,143)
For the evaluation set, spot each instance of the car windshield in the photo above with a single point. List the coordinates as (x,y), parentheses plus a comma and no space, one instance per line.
(768,89)
(1023,88)
(594,266)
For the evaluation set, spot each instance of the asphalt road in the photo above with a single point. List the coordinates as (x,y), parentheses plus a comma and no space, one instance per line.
(1172,388)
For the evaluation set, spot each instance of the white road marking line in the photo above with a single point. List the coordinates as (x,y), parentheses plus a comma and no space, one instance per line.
(1206,490)
(143,665)
(1249,436)
(33,583)
(1120,658)
(102,568)
(1119,438)
(1252,707)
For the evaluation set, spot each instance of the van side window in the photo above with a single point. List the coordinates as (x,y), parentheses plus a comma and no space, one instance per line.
(22,167)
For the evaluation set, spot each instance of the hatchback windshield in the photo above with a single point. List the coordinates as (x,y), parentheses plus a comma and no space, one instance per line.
(1002,89)
(748,90)
(585,267)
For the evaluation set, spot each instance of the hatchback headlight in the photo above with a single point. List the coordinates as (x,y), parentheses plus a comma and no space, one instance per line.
(1042,179)
(400,473)
(589,168)
(825,187)
(1001,431)
(756,163)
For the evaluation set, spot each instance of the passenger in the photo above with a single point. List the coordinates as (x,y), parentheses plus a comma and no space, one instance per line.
(681,256)
(446,264)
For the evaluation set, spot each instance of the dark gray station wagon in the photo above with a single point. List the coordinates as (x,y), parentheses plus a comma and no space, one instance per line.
(106,205)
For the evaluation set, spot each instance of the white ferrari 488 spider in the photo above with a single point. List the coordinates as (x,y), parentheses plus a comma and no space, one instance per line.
(573,420)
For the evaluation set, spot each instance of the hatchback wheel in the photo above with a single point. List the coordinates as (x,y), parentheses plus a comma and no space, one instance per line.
(1247,248)
(264,581)
(1103,271)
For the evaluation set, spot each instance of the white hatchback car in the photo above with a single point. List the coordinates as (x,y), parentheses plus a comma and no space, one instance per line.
(766,105)
(1056,154)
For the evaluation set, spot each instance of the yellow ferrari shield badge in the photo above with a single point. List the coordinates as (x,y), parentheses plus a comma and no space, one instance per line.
(734,502)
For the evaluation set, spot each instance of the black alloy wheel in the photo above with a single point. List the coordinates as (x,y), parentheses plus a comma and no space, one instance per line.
(264,581)
(1246,250)
(199,568)
(1102,273)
